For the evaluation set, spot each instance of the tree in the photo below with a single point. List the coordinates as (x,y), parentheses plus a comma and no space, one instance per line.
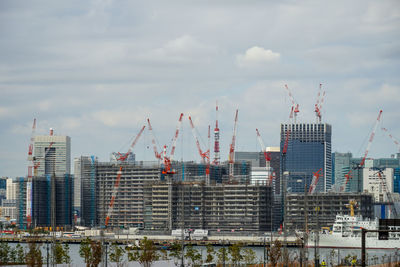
(193,255)
(58,253)
(13,255)
(222,255)
(34,255)
(210,253)
(20,254)
(275,252)
(66,257)
(234,250)
(176,252)
(4,251)
(91,252)
(116,254)
(249,256)
(145,254)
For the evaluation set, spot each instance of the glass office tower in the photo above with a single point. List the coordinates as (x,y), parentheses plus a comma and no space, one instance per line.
(308,150)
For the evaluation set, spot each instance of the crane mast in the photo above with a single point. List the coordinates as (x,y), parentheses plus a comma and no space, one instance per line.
(232,149)
(216,138)
(29,182)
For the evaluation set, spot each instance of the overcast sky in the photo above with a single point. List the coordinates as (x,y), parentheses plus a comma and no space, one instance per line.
(96,70)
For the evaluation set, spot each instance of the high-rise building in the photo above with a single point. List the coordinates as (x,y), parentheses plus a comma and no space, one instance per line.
(84,207)
(308,150)
(341,161)
(51,152)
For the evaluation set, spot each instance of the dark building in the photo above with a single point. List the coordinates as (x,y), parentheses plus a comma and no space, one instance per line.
(308,150)
(41,201)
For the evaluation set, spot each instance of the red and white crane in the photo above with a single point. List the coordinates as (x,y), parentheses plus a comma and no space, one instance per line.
(29,182)
(122,158)
(267,157)
(153,141)
(395,141)
(318,105)
(295,105)
(314,181)
(205,156)
(168,159)
(216,138)
(232,148)
(371,138)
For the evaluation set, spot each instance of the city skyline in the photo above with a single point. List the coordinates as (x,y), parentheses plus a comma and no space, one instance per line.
(96,71)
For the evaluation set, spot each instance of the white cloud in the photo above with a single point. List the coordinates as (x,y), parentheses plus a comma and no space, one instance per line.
(257,55)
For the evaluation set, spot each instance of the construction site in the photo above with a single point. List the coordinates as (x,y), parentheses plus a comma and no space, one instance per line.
(244,193)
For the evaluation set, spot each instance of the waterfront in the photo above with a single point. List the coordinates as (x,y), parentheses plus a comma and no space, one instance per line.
(331,256)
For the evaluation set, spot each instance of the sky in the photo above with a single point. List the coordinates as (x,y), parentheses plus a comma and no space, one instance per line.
(96,70)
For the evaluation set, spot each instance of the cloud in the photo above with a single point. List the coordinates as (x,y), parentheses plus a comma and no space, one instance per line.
(255,56)
(183,48)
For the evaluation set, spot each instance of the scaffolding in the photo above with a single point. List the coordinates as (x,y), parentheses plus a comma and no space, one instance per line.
(227,207)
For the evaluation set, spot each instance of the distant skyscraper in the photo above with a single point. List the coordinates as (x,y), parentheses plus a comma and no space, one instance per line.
(84,207)
(341,162)
(52,151)
(308,150)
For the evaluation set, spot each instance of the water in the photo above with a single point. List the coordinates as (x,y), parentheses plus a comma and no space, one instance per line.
(329,255)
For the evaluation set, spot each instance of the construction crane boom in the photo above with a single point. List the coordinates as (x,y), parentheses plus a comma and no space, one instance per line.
(295,105)
(267,157)
(118,179)
(371,138)
(318,105)
(232,147)
(176,137)
(204,155)
(395,141)
(385,190)
(125,156)
(153,141)
(314,181)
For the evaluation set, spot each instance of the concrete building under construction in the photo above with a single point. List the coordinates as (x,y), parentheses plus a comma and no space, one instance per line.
(322,208)
(239,207)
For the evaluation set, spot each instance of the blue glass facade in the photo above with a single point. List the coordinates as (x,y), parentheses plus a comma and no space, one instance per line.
(308,150)
(396,180)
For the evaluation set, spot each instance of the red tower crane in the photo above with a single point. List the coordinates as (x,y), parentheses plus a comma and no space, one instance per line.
(216,138)
(168,159)
(122,158)
(205,156)
(267,157)
(314,181)
(232,148)
(371,138)
(318,105)
(153,141)
(29,182)
(295,105)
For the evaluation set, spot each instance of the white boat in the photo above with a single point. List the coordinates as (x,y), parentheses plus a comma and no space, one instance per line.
(346,233)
